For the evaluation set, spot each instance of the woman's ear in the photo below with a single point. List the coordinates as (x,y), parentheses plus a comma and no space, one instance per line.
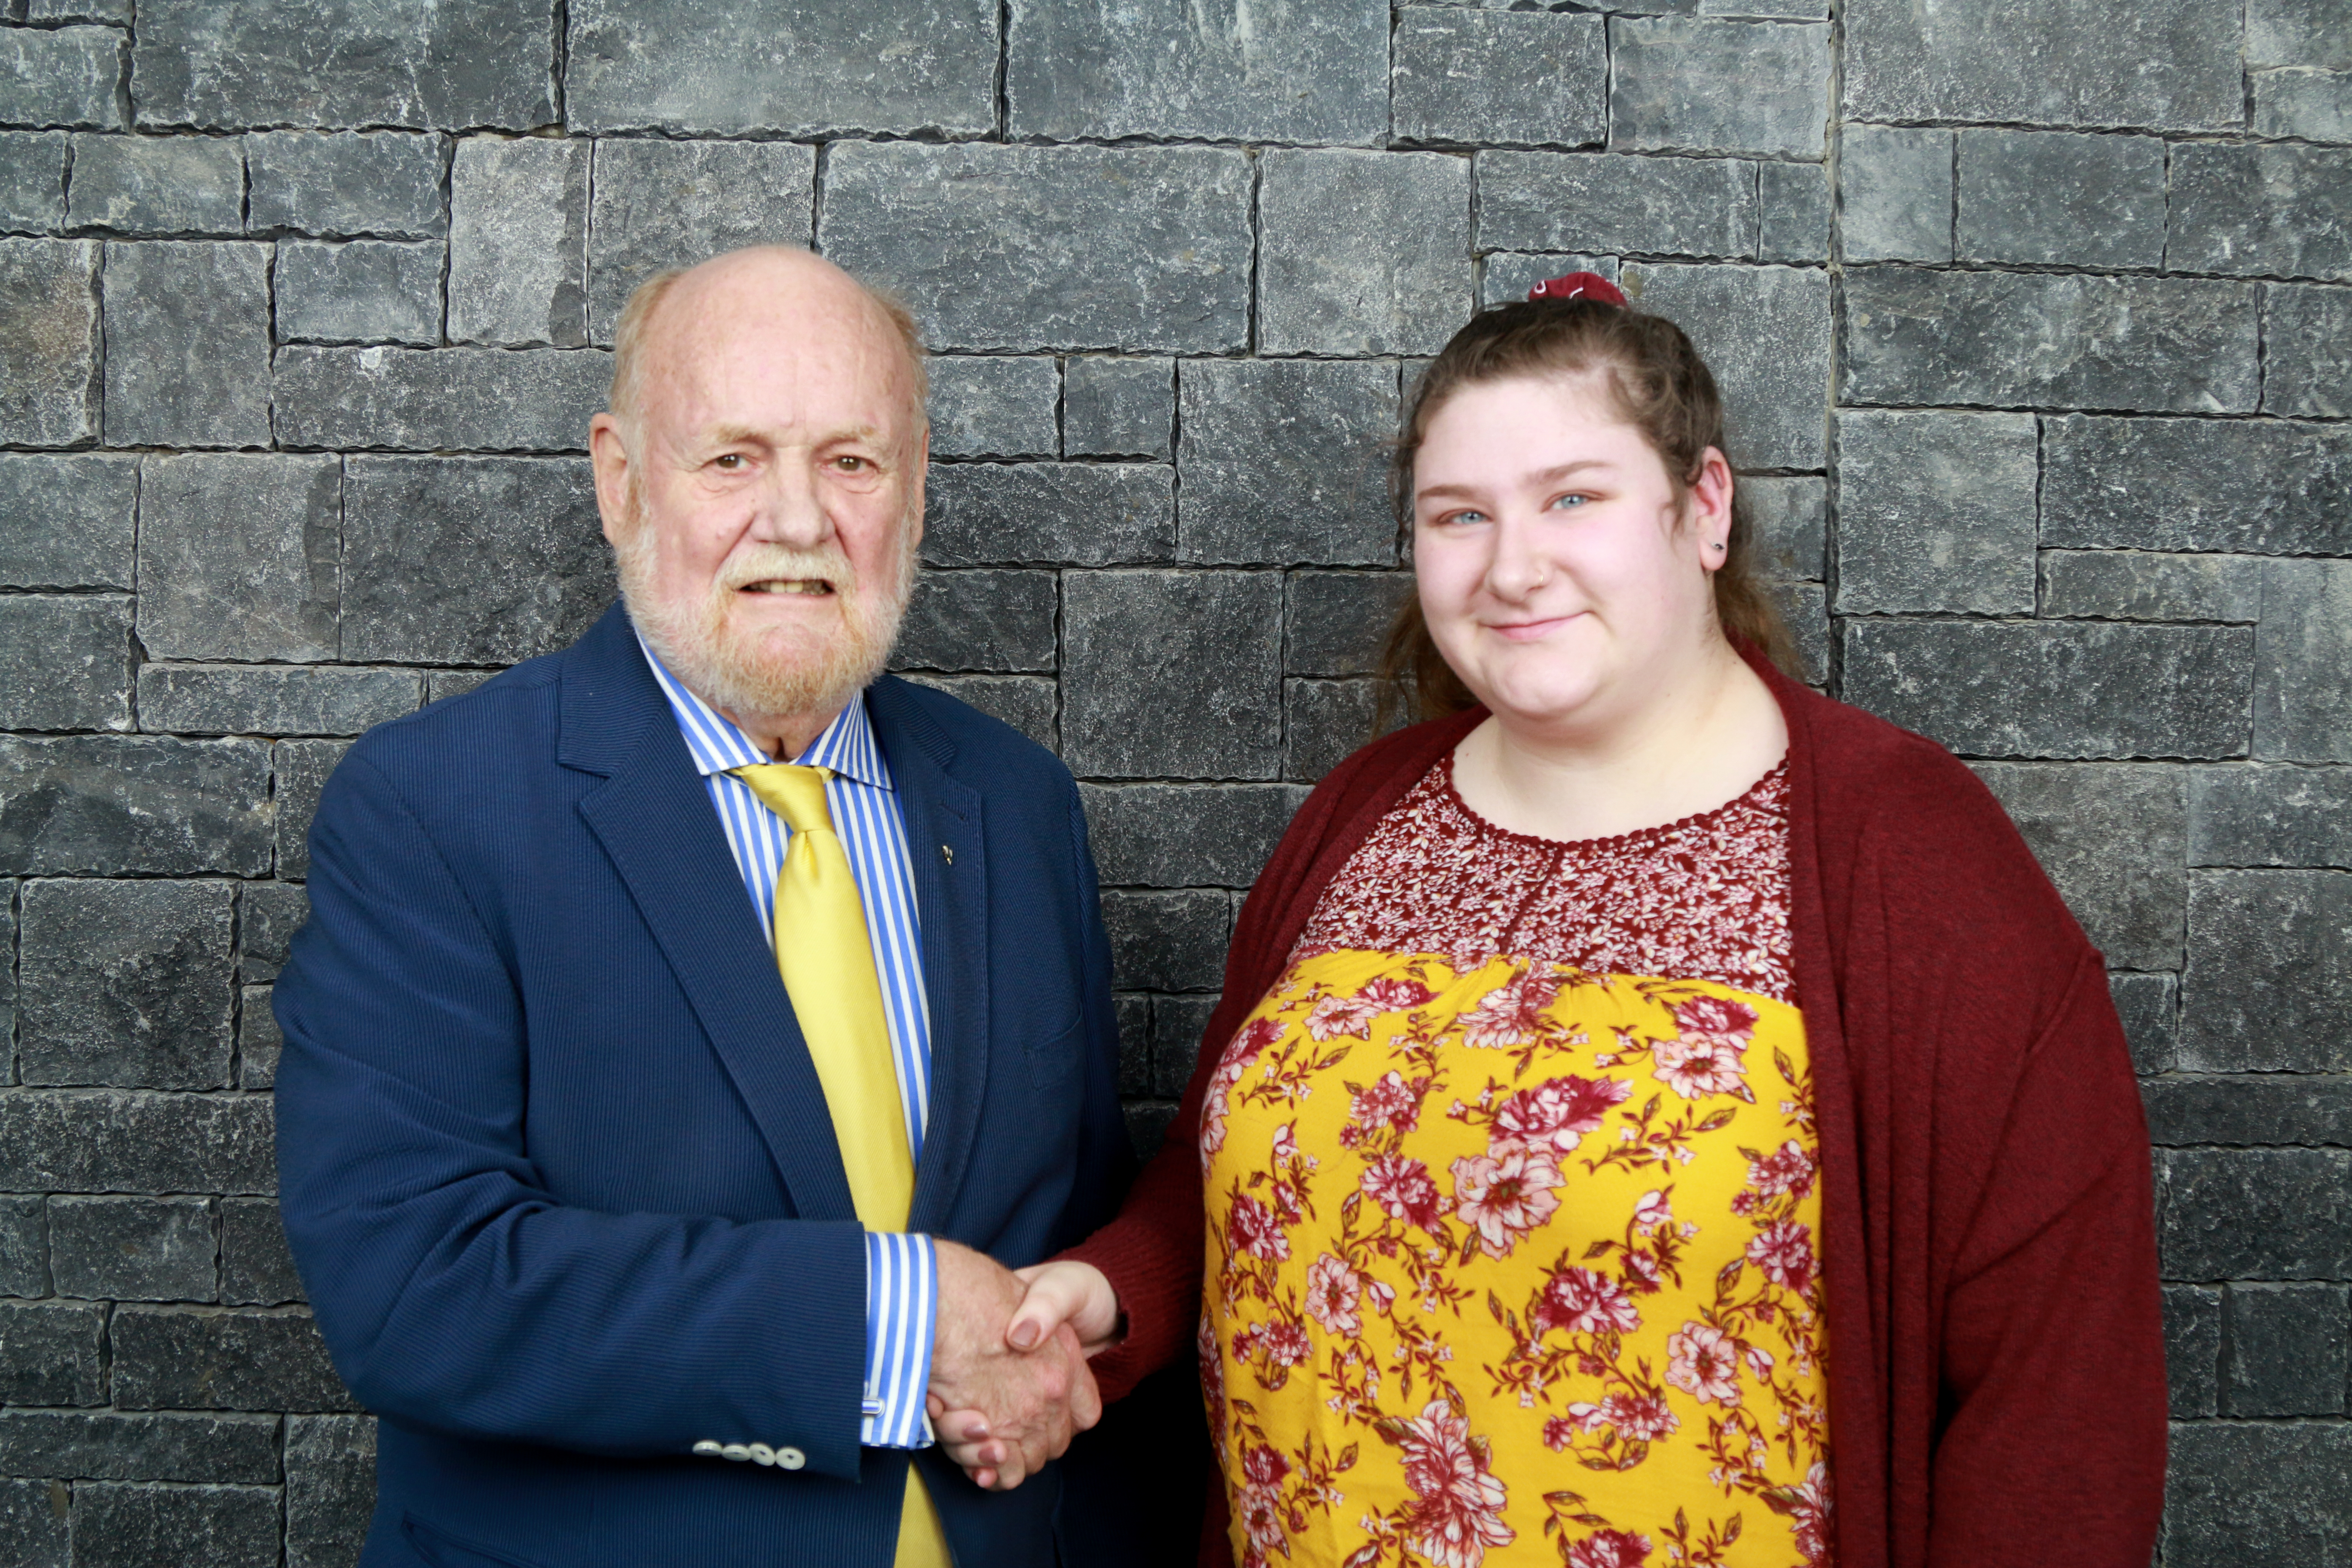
(1710,509)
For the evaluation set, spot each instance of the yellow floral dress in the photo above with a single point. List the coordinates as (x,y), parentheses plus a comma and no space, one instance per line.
(1513,1208)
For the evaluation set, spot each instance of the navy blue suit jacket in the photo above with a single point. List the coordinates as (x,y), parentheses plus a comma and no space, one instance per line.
(553,1158)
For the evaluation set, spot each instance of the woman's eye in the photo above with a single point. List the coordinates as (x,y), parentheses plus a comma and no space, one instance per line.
(1463,518)
(1562,503)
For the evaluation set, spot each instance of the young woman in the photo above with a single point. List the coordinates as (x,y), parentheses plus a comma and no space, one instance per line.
(1656,1114)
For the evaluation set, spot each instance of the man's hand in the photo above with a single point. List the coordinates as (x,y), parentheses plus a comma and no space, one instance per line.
(1065,1304)
(1019,1408)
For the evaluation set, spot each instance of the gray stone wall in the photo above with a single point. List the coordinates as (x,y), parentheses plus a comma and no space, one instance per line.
(2033,315)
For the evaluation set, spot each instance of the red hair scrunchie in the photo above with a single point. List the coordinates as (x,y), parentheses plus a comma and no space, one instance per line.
(1578,286)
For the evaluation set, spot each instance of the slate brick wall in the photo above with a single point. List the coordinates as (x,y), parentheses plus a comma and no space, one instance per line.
(2033,315)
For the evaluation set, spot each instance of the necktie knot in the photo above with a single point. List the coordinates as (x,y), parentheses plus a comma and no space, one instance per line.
(793,792)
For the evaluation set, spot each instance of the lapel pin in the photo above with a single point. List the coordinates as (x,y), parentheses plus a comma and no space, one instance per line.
(947,854)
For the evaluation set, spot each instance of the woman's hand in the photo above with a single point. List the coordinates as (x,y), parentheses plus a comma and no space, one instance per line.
(1064,1293)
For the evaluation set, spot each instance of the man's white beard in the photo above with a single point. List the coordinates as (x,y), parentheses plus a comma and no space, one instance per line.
(725,664)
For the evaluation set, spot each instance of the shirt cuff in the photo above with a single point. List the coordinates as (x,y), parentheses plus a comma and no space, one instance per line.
(902,1299)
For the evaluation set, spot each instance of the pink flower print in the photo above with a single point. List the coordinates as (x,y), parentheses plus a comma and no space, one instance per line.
(1610,1549)
(1285,1345)
(1715,1020)
(1457,1511)
(1642,1271)
(1333,1289)
(1259,1509)
(1696,1067)
(1642,1417)
(1505,1198)
(1250,1039)
(1264,1467)
(1335,1015)
(1212,1376)
(1405,1190)
(1255,1230)
(1653,1211)
(1788,1169)
(1511,1014)
(1389,1105)
(1703,1362)
(1784,1250)
(1811,1516)
(1391,994)
(1557,1112)
(1560,1430)
(1583,1302)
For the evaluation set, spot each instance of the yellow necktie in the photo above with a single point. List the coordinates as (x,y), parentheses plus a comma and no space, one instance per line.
(827,961)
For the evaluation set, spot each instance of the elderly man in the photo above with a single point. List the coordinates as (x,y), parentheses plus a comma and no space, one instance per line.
(692,1026)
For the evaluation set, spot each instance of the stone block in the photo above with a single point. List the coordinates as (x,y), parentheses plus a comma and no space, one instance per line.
(1506,278)
(2245,814)
(2297,33)
(440,400)
(1076,514)
(31,181)
(61,76)
(344,183)
(1323,721)
(1534,79)
(2262,486)
(117,1525)
(133,1249)
(2309,105)
(267,916)
(157,185)
(1171,674)
(49,1352)
(200,315)
(114,806)
(173,1358)
(995,621)
(1185,836)
(2114,840)
(48,338)
(2270,1492)
(453,65)
(2255,1214)
(1765,332)
(23,1244)
(2192,1350)
(68,521)
(1030,703)
(2307,352)
(2146,585)
(1336,623)
(1790,519)
(1284,462)
(329,1488)
(2059,198)
(1793,221)
(126,983)
(1291,73)
(1134,1045)
(2170,66)
(2041,340)
(1697,84)
(995,407)
(470,560)
(2267,981)
(1804,611)
(782,68)
(2271,209)
(65,661)
(2285,1350)
(441,684)
(1146,1128)
(258,1039)
(256,1268)
(1167,941)
(34,1516)
(1898,187)
(2251,1111)
(518,242)
(1178,1026)
(2148,1007)
(359,291)
(2056,688)
(660,204)
(1609,203)
(108,1140)
(273,699)
(2303,706)
(1145,250)
(110,1445)
(238,556)
(1937,512)
(298,771)
(1361,253)
(1118,408)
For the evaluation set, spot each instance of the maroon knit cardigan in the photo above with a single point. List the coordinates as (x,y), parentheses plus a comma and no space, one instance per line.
(1996,1360)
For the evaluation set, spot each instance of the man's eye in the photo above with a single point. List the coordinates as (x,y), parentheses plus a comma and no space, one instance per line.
(730,461)
(850,465)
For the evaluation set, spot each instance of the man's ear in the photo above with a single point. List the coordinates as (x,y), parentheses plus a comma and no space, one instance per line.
(608,457)
(915,499)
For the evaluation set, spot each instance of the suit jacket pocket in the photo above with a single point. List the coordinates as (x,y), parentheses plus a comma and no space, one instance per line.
(1057,1057)
(448,1551)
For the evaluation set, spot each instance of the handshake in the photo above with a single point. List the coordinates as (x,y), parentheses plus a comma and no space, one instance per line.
(1009,1383)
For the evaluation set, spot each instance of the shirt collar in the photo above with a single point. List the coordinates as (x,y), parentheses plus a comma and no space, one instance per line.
(845,746)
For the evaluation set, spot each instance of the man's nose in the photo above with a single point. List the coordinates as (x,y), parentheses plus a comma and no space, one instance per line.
(790,508)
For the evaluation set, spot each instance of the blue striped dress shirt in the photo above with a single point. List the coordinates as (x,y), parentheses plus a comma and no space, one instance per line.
(901,1271)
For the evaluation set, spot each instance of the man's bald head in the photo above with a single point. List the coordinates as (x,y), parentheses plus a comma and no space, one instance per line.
(764,277)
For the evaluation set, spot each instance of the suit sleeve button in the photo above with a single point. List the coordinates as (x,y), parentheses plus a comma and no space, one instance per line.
(790,1458)
(709,1448)
(735,1451)
(762,1455)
